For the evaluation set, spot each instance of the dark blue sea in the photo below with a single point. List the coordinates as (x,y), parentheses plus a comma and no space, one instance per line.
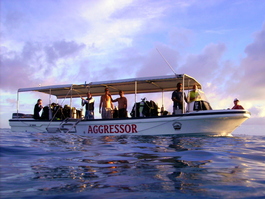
(42,165)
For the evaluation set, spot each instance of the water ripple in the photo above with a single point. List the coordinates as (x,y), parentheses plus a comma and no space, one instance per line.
(68,166)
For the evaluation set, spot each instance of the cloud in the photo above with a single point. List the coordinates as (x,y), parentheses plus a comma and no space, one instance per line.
(226,80)
(36,62)
(62,50)
(155,65)
(145,10)
(249,74)
(180,37)
(205,65)
(45,54)
(219,31)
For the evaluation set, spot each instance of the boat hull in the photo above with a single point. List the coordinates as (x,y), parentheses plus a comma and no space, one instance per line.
(211,122)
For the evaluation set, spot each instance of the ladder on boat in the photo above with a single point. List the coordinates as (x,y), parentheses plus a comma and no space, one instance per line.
(67,126)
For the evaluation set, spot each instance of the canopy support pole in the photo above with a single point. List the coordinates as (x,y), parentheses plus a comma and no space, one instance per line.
(50,96)
(71,97)
(183,94)
(17,102)
(162,108)
(135,97)
(50,102)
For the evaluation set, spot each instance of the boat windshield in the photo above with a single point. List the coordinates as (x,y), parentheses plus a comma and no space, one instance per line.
(196,95)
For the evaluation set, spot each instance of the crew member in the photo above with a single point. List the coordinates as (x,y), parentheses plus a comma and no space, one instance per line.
(236,105)
(89,102)
(37,109)
(194,94)
(177,98)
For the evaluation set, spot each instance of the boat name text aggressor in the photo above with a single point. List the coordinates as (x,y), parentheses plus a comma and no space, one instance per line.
(112,128)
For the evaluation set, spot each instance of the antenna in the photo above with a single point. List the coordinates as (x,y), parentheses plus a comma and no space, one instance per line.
(88,89)
(166,61)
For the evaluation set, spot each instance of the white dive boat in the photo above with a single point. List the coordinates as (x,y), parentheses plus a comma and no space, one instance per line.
(199,120)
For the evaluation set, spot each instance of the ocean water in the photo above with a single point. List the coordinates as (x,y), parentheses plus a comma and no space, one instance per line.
(42,165)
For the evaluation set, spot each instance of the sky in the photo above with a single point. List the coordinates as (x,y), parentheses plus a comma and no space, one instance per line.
(221,43)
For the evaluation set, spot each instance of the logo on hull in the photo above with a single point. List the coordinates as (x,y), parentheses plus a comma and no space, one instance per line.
(177,125)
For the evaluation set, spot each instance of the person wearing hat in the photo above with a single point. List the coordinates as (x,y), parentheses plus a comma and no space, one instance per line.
(236,105)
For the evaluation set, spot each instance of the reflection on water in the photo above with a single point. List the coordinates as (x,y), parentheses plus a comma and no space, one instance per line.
(129,167)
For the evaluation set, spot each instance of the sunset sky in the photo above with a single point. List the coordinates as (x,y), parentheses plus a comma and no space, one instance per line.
(221,43)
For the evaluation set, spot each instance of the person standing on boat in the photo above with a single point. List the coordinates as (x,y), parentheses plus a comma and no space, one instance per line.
(122,105)
(194,94)
(177,98)
(37,109)
(236,105)
(89,102)
(105,105)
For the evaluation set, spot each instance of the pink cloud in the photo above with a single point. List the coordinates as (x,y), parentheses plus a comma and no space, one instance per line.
(35,63)
(62,49)
(250,73)
(155,65)
(205,66)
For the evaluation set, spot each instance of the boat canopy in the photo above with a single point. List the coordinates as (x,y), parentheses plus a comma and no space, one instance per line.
(129,86)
